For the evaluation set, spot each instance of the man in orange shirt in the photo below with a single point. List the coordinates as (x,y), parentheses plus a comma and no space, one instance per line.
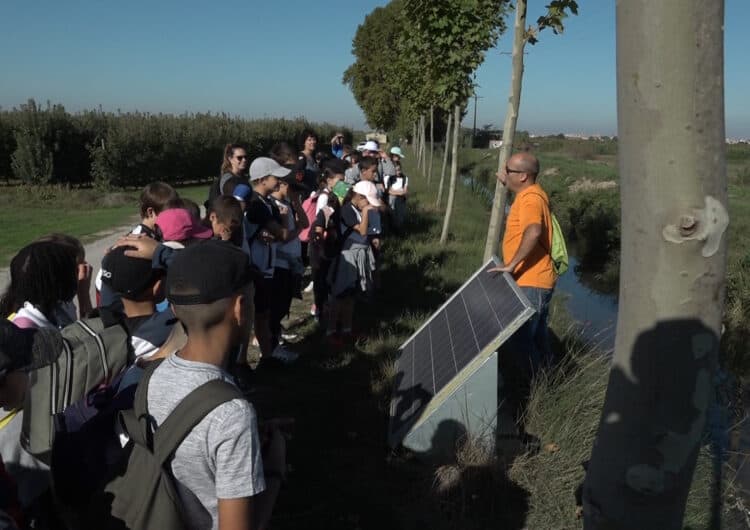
(526,250)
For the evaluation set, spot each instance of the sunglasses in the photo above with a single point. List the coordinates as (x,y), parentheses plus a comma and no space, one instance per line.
(241,157)
(508,170)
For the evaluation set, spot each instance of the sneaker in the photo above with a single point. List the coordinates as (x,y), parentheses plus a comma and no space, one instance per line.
(284,355)
(309,288)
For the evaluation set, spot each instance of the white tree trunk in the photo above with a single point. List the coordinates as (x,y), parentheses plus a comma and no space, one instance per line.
(432,143)
(497,217)
(673,171)
(454,175)
(445,160)
(414,137)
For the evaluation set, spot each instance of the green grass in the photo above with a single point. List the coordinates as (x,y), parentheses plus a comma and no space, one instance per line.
(27,213)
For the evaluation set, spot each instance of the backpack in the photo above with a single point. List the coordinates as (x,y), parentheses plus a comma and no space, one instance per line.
(141,493)
(93,353)
(558,251)
(309,205)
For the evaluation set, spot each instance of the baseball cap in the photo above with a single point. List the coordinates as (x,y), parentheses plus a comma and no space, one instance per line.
(127,276)
(371,146)
(177,224)
(241,192)
(207,272)
(264,166)
(368,189)
(397,151)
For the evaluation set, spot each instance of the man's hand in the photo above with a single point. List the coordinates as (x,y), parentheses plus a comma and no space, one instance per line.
(145,247)
(501,268)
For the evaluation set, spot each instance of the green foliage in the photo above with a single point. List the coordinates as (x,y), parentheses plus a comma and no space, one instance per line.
(32,160)
(132,149)
(371,77)
(446,41)
(556,13)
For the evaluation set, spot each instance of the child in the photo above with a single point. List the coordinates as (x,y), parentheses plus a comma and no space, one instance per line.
(140,288)
(268,223)
(226,219)
(288,267)
(43,278)
(217,468)
(325,206)
(84,270)
(351,273)
(155,198)
(397,188)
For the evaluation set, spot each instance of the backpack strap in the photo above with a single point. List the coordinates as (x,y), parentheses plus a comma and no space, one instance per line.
(189,413)
(549,207)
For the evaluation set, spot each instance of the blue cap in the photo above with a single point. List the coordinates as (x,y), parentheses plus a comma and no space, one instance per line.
(241,192)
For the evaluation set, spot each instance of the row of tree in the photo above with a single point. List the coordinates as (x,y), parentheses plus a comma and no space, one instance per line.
(416,57)
(44,145)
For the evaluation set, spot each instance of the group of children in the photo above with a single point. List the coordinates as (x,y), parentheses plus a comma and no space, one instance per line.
(188,289)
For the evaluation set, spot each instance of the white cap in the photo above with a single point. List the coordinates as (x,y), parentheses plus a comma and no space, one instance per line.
(263,167)
(368,189)
(371,146)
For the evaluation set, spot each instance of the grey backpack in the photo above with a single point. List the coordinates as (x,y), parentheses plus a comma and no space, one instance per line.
(91,354)
(141,494)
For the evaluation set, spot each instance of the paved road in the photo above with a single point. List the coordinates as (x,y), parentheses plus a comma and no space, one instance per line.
(94,252)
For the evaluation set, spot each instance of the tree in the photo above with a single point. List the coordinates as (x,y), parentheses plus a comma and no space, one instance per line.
(371,77)
(674,250)
(556,12)
(446,41)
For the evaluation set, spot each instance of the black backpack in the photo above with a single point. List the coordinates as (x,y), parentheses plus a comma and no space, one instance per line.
(141,493)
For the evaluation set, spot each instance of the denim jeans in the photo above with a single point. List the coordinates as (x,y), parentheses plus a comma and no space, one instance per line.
(534,334)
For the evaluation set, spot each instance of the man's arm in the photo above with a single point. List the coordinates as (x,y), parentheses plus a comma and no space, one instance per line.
(529,240)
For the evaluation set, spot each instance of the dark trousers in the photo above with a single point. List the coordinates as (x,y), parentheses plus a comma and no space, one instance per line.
(281,301)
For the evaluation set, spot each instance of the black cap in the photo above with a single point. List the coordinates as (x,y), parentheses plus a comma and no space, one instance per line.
(207,272)
(336,166)
(127,276)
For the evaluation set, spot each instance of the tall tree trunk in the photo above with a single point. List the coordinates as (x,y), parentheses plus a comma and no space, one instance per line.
(497,217)
(673,170)
(414,137)
(445,160)
(424,145)
(454,175)
(432,143)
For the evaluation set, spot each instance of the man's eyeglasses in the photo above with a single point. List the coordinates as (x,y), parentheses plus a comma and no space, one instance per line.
(509,170)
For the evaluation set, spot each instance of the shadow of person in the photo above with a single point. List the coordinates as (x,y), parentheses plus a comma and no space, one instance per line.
(652,426)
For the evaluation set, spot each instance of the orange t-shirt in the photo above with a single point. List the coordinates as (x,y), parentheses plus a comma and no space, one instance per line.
(530,207)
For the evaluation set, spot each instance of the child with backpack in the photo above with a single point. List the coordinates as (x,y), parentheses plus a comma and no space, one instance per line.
(43,278)
(288,267)
(323,201)
(140,287)
(215,472)
(397,189)
(351,273)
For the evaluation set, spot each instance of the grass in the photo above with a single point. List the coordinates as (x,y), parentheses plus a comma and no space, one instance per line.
(27,213)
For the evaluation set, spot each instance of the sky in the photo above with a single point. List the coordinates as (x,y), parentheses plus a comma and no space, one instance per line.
(286,59)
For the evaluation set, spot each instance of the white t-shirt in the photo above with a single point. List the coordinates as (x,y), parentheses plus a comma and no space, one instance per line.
(399,183)
(221,457)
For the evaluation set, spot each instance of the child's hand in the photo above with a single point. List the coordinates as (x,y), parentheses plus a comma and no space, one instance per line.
(84,276)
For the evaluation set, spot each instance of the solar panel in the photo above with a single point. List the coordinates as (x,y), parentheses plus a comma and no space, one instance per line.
(441,357)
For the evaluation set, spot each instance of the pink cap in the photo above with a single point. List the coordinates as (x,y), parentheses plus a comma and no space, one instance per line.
(177,224)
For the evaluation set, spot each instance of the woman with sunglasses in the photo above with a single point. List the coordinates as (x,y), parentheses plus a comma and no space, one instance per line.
(233,166)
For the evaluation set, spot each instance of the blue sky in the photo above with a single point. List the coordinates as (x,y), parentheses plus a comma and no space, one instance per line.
(286,59)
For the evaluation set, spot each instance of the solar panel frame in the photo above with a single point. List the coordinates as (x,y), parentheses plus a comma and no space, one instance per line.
(418,411)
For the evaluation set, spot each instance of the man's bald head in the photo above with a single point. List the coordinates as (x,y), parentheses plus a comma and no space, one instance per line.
(527,163)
